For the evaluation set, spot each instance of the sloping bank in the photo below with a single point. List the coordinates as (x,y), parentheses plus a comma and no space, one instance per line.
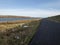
(19,35)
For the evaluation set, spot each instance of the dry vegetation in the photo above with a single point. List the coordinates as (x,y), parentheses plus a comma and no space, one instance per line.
(54,18)
(12,24)
(17,34)
(3,27)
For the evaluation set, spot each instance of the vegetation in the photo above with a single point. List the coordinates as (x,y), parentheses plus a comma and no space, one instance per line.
(12,24)
(55,18)
(18,35)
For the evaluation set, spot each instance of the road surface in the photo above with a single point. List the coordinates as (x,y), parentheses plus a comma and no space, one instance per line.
(47,34)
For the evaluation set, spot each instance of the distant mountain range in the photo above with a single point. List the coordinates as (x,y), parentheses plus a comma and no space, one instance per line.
(15,16)
(19,17)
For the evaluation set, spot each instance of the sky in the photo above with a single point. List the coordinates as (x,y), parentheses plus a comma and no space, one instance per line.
(33,8)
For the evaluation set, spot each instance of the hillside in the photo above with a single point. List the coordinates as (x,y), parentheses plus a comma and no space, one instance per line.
(55,18)
(14,16)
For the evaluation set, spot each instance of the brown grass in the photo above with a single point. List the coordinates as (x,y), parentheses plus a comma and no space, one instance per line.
(12,24)
(25,34)
(18,21)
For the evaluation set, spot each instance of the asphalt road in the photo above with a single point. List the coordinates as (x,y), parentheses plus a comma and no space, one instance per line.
(47,34)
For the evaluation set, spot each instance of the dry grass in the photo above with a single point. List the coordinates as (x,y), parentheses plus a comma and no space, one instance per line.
(24,34)
(18,21)
(12,24)
(8,26)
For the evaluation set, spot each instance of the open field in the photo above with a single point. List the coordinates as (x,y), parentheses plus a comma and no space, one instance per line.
(12,24)
(18,32)
(17,21)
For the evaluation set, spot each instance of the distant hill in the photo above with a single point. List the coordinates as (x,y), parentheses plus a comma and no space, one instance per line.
(56,18)
(14,16)
(20,17)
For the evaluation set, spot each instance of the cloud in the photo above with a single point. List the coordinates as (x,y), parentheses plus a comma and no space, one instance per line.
(29,12)
(52,4)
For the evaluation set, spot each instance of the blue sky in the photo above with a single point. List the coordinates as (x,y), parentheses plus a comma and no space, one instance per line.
(34,8)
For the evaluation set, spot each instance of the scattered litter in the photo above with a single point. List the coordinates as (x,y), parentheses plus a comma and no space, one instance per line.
(25,26)
(17,37)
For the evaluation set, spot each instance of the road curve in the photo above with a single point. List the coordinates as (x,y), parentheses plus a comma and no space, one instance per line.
(47,34)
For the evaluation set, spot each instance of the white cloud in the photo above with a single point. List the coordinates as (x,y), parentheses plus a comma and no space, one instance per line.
(29,12)
(35,12)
